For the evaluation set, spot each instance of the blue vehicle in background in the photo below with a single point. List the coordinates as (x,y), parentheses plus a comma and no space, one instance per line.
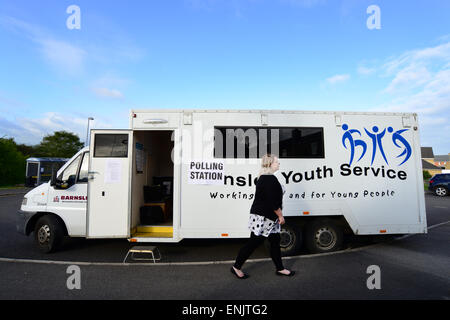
(440,184)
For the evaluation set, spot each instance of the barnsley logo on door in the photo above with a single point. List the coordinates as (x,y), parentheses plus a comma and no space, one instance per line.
(70,199)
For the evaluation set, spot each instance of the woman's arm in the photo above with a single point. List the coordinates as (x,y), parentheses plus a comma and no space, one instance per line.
(279,213)
(274,194)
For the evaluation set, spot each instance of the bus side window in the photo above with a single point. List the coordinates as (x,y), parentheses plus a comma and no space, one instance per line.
(70,173)
(111,146)
(83,175)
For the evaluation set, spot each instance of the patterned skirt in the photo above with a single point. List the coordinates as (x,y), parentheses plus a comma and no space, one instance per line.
(261,226)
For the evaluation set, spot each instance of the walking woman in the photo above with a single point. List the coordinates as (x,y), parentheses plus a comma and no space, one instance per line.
(266,218)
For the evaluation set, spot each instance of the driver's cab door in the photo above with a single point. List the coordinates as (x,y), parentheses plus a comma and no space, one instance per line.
(68,197)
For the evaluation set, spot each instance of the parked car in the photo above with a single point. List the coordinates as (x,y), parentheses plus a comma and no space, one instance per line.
(440,184)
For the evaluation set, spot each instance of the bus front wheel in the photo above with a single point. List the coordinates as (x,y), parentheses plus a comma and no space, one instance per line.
(48,233)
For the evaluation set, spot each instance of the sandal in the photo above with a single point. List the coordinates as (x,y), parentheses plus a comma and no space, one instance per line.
(245,276)
(285,275)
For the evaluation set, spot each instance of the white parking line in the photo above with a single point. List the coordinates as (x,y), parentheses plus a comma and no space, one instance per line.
(120,264)
(12,194)
(437,225)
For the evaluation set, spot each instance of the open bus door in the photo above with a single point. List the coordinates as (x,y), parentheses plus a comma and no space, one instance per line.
(109,196)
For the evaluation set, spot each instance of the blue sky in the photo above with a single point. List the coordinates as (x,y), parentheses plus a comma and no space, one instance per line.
(218,54)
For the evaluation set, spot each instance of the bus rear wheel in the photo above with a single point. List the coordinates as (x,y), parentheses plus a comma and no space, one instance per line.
(323,235)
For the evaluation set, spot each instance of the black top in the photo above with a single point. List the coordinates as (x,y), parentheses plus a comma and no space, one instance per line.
(268,197)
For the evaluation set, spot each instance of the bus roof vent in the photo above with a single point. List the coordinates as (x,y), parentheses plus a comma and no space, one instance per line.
(338,120)
(155,121)
(187,118)
(264,119)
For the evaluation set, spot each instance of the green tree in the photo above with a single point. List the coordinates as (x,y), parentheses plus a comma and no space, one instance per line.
(26,150)
(12,163)
(60,144)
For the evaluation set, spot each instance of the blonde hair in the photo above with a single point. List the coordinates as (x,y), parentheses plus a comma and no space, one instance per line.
(266,164)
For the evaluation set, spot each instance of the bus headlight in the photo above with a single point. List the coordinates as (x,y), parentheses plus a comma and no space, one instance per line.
(24,201)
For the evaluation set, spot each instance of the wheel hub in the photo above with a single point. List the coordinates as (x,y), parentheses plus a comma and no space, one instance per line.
(286,238)
(325,238)
(44,234)
(440,191)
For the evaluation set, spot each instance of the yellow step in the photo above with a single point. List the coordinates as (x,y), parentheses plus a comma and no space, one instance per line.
(154,229)
(153,232)
(153,235)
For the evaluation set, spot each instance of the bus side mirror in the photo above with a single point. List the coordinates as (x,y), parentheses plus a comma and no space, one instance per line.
(53,179)
(55,183)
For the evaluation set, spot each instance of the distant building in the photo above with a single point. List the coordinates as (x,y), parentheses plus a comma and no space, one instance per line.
(431,168)
(427,154)
(442,161)
(434,163)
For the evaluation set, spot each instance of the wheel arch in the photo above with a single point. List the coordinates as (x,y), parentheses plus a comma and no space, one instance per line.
(302,221)
(34,219)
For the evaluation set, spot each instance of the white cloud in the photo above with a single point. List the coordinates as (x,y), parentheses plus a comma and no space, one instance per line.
(31,131)
(108,93)
(365,70)
(8,103)
(110,85)
(305,3)
(63,56)
(419,82)
(338,78)
(418,58)
(110,80)
(409,78)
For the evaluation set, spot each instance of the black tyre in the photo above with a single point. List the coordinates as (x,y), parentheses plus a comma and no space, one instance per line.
(290,240)
(323,235)
(48,233)
(440,191)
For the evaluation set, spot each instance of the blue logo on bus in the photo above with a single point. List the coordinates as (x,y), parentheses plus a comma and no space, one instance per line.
(352,140)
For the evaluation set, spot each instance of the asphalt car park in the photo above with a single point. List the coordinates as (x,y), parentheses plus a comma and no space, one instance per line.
(411,267)
(17,246)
